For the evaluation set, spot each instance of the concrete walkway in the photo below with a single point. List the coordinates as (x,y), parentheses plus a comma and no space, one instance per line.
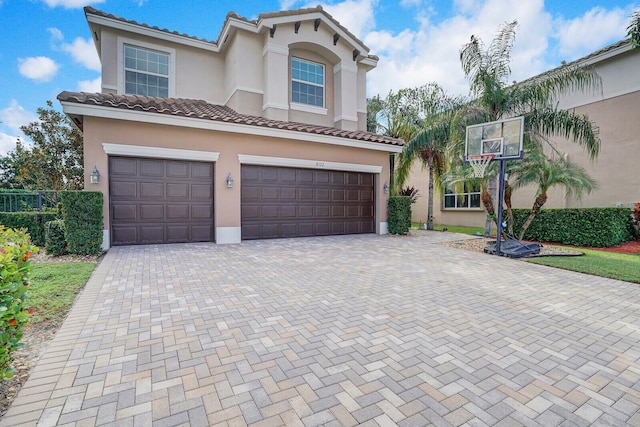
(338,331)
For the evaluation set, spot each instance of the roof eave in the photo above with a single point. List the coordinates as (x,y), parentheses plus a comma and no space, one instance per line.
(148,31)
(77,110)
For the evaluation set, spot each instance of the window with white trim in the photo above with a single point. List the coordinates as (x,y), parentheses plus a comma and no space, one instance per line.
(307,82)
(469,199)
(146,72)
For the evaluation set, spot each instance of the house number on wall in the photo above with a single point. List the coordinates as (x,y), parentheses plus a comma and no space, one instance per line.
(320,164)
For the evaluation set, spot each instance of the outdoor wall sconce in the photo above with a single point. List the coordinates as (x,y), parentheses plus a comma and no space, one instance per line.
(229,181)
(385,187)
(95,175)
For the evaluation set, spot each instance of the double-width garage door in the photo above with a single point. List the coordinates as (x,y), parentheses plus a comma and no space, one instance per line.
(289,202)
(160,201)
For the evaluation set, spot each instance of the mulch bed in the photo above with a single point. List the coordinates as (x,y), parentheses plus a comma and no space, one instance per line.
(630,247)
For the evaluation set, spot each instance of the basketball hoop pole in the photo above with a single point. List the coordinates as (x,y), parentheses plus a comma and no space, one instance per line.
(500,203)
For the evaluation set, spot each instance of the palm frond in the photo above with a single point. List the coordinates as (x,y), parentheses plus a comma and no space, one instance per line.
(567,124)
(633,30)
(499,52)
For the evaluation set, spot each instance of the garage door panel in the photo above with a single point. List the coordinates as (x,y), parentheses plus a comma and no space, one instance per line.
(152,168)
(177,212)
(151,212)
(123,189)
(201,191)
(202,171)
(270,193)
(160,201)
(317,203)
(250,193)
(151,234)
(250,175)
(125,234)
(177,169)
(179,190)
(151,190)
(201,212)
(126,167)
(272,211)
(123,212)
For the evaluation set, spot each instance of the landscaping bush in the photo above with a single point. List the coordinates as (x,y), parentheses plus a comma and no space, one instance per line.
(591,227)
(635,214)
(15,250)
(33,221)
(55,244)
(82,216)
(399,214)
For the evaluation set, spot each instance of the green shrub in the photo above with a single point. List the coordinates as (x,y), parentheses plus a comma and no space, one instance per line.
(15,250)
(33,221)
(399,214)
(591,227)
(55,244)
(82,216)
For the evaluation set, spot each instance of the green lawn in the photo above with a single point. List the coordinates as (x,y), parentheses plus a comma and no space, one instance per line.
(598,263)
(453,228)
(53,288)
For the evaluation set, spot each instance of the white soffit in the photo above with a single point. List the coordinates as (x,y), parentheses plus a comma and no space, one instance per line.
(247,159)
(159,153)
(197,123)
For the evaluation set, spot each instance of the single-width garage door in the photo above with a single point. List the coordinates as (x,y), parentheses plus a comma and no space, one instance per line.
(289,202)
(160,201)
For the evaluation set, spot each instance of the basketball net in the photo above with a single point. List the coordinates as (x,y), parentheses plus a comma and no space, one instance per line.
(479,164)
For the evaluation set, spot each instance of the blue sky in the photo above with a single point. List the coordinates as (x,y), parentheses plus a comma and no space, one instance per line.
(47,46)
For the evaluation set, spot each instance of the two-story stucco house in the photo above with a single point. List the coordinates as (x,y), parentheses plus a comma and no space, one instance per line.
(258,135)
(614,109)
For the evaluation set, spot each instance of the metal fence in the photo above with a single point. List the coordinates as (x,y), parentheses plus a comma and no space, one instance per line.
(24,202)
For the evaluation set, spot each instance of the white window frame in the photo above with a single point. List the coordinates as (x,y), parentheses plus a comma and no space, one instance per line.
(309,107)
(122,41)
(466,196)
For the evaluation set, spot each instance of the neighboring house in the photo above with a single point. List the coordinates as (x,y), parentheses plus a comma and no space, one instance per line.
(614,110)
(258,135)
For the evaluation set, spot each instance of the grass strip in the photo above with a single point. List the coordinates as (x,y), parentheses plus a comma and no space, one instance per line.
(53,288)
(598,263)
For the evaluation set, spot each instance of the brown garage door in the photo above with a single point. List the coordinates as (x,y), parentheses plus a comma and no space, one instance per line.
(288,202)
(160,201)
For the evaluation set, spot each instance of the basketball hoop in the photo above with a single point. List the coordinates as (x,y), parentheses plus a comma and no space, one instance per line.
(479,163)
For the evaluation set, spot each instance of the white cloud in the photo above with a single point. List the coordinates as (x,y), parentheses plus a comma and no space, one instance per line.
(355,15)
(56,34)
(430,53)
(92,86)
(7,143)
(408,3)
(15,116)
(84,52)
(38,68)
(71,4)
(12,117)
(584,34)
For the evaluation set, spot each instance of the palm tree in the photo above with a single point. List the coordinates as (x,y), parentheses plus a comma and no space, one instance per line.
(633,30)
(430,143)
(488,73)
(536,168)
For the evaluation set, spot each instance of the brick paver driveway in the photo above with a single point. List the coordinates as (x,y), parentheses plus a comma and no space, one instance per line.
(349,330)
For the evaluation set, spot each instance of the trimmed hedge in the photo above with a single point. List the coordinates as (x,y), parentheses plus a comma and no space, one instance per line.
(399,214)
(82,216)
(32,221)
(55,244)
(591,227)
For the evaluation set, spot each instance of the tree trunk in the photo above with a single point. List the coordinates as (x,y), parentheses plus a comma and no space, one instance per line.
(430,200)
(487,202)
(537,205)
(489,220)
(508,190)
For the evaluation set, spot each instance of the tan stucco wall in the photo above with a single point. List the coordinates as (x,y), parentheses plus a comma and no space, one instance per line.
(226,201)
(251,72)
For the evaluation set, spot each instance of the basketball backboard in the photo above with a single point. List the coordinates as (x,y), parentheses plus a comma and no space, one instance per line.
(502,138)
